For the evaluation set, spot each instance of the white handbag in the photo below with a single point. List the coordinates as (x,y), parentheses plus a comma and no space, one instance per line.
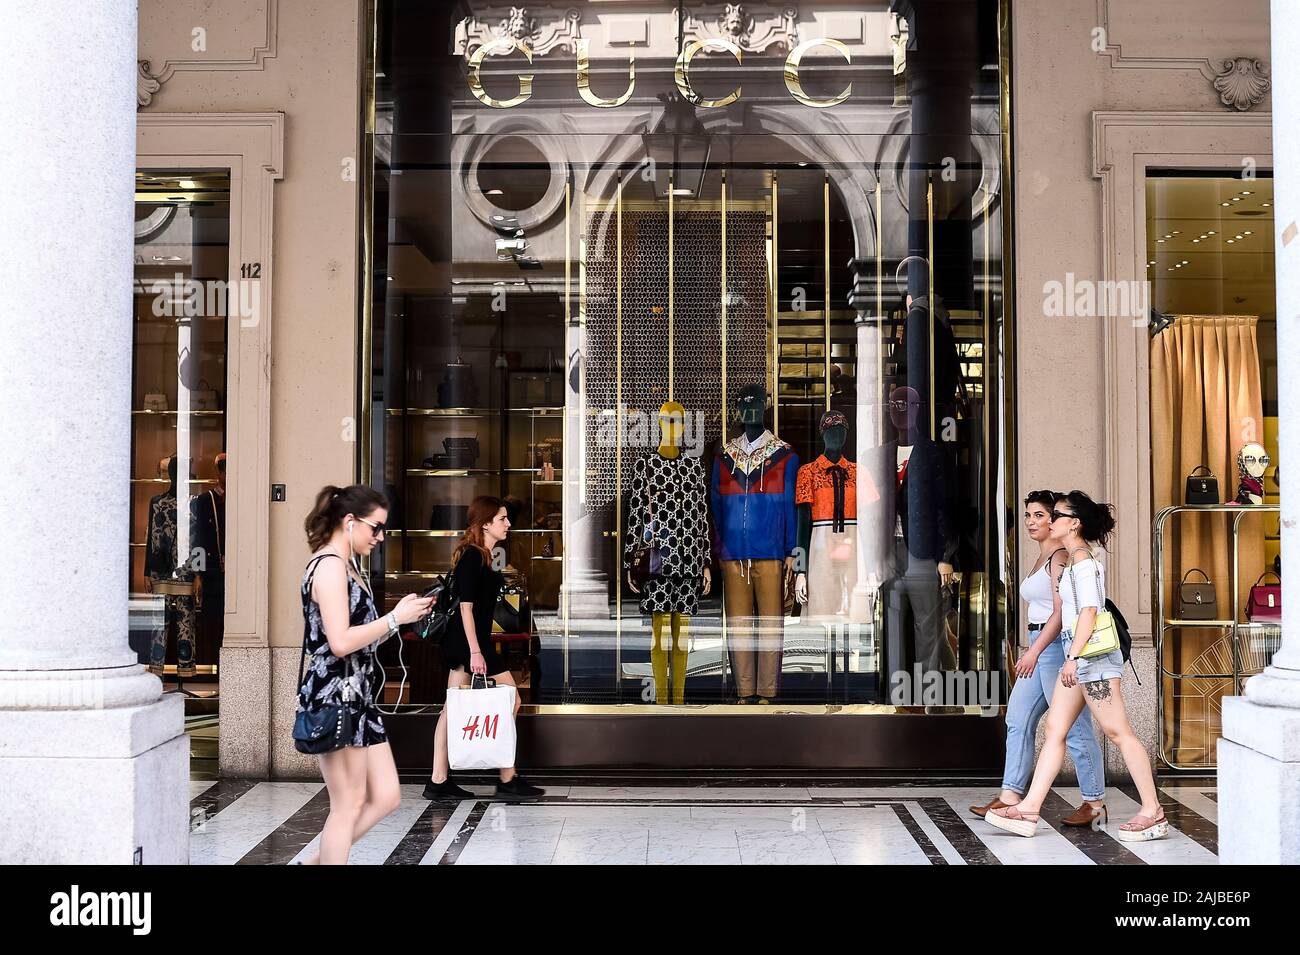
(481,725)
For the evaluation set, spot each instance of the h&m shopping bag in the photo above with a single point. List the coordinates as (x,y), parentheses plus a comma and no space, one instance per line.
(481,725)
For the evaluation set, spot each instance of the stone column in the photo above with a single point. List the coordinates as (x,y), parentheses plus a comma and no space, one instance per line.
(94,762)
(1259,754)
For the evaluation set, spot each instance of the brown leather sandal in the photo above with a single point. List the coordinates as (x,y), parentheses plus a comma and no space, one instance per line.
(1087,816)
(980,811)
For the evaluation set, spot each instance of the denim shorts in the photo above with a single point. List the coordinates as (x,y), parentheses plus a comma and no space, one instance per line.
(1093,670)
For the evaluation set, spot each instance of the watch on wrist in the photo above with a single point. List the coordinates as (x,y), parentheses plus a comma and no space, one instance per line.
(393,625)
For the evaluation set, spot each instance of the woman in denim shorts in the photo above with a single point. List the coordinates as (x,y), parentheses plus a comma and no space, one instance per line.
(1082,526)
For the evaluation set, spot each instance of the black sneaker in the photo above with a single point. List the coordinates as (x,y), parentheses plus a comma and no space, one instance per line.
(445,791)
(518,789)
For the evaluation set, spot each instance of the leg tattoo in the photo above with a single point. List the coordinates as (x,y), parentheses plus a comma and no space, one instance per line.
(1099,690)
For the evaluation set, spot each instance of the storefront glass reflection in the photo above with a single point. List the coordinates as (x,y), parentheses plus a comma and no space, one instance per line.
(669,292)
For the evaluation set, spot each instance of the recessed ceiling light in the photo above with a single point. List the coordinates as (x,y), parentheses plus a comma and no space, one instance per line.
(1266,205)
(1160,240)
(1223,203)
(1236,198)
(1245,192)
(1176,232)
(1248,232)
(1210,233)
(1194,241)
(1230,241)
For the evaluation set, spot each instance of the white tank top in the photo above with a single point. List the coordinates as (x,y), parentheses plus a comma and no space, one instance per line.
(1036,589)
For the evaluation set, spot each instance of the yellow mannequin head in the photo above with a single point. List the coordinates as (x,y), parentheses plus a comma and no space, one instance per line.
(672,419)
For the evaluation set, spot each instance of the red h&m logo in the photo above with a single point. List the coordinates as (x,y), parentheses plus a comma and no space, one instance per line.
(471,729)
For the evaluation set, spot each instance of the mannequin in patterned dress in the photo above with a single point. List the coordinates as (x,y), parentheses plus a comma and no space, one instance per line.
(668,512)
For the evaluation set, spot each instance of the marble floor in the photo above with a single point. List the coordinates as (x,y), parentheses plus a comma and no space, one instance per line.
(711,822)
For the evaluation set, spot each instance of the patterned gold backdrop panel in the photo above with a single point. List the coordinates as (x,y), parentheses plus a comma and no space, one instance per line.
(697,331)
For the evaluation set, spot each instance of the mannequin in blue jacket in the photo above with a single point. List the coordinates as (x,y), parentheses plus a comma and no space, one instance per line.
(755,533)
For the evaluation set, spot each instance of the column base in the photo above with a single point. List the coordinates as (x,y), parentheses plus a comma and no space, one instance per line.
(95,787)
(1259,784)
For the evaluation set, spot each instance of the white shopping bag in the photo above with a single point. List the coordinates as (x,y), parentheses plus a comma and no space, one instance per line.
(481,727)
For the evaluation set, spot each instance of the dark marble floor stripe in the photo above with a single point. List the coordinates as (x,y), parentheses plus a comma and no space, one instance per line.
(419,838)
(289,838)
(918,834)
(1211,796)
(466,830)
(217,797)
(1100,847)
(955,830)
(1190,823)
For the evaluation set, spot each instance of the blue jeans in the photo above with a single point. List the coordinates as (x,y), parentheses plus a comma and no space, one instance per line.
(1030,698)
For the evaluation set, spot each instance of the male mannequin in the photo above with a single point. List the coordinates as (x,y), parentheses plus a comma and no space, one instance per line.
(826,494)
(925,538)
(667,513)
(753,492)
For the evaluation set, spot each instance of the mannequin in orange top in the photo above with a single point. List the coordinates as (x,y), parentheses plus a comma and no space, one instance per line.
(826,495)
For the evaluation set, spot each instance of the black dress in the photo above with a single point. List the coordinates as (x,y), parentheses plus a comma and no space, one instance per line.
(478,584)
(326,676)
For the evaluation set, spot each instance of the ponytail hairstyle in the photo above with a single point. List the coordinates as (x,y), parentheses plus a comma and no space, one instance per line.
(335,503)
(1096,520)
(482,510)
(1046,498)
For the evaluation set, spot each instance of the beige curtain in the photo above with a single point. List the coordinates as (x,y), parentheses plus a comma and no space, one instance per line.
(1205,404)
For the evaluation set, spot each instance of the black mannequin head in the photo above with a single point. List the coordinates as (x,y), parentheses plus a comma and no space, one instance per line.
(751,407)
(835,434)
(171,472)
(904,409)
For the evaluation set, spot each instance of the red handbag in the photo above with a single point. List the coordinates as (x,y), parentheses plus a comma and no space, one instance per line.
(1265,600)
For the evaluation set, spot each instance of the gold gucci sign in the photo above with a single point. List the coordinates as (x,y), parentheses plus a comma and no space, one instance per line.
(681,74)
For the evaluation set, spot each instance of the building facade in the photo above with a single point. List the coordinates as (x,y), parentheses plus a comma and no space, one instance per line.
(476,249)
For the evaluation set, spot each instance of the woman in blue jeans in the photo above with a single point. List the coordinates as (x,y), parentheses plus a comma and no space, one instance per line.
(1037,671)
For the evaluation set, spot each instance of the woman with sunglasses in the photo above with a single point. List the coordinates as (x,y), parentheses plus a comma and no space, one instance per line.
(467,643)
(343,633)
(1082,526)
(1037,671)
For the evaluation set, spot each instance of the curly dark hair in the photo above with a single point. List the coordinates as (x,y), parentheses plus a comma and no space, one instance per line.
(1096,520)
(1045,498)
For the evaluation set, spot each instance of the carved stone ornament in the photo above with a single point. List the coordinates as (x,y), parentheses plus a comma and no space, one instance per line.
(754,27)
(544,29)
(1242,82)
(146,84)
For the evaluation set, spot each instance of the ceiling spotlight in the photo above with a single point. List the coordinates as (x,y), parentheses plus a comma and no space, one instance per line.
(1194,241)
(1223,203)
(1266,205)
(1210,233)
(1248,232)
(1246,192)
(1236,198)
(1230,241)
(1176,232)
(1160,240)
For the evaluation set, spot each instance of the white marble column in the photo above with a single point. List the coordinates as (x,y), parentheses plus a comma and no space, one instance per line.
(1259,754)
(93,761)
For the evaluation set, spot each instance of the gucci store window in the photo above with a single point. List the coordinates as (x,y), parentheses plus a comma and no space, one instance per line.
(178,436)
(1214,464)
(712,298)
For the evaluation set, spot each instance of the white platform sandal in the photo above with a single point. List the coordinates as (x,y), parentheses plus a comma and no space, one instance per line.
(1012,820)
(1144,828)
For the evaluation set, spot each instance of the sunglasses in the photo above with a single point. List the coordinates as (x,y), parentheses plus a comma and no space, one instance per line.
(1263,459)
(376,530)
(898,405)
(1057,515)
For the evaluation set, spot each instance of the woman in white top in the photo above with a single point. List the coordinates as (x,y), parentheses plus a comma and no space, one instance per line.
(1082,526)
(1037,672)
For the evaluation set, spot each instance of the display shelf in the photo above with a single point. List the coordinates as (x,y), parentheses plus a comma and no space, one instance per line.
(539,412)
(164,414)
(393,532)
(212,481)
(1166,627)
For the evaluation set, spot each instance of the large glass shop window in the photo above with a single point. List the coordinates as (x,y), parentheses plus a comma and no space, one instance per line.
(660,280)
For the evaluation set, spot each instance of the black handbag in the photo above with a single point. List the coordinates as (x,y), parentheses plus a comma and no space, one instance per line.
(445,603)
(1202,489)
(1197,601)
(326,728)
(511,611)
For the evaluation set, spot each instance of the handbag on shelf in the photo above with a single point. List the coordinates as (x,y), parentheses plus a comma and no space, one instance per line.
(1265,600)
(511,612)
(204,397)
(1202,489)
(1197,600)
(155,401)
(457,453)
